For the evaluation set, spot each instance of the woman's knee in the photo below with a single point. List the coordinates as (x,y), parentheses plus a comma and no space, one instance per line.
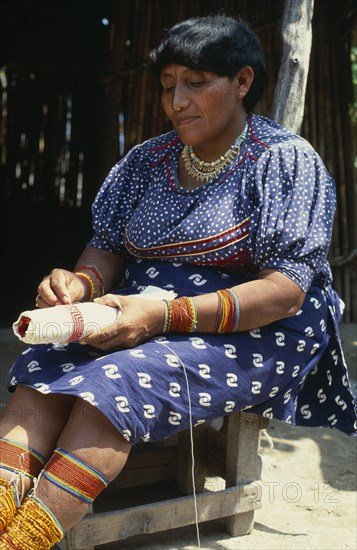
(34,418)
(91,437)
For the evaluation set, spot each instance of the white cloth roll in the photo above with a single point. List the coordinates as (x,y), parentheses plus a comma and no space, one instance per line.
(69,323)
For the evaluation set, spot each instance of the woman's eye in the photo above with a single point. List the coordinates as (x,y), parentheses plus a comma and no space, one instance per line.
(197,83)
(168,89)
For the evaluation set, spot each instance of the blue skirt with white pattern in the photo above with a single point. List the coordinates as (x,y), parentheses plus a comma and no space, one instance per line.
(292,370)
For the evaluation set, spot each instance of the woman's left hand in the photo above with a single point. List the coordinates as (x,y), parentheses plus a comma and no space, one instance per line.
(138,320)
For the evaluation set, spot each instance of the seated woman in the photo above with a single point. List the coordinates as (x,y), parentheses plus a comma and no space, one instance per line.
(235,214)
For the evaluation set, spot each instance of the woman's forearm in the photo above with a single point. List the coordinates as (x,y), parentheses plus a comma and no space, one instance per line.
(110,266)
(271,297)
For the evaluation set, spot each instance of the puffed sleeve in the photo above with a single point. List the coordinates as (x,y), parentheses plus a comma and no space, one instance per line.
(117,200)
(291,226)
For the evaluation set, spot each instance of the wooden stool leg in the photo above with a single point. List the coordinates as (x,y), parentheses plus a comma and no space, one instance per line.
(184,461)
(243,464)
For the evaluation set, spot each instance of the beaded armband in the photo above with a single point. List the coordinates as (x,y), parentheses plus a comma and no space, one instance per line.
(227,318)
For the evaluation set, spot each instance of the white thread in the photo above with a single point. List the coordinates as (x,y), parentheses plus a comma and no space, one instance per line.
(36,481)
(191,441)
(15,480)
(21,480)
(22,477)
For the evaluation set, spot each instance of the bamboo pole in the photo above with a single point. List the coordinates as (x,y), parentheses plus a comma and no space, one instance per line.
(288,102)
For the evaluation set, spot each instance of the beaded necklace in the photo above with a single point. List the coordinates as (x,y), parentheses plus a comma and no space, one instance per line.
(205,171)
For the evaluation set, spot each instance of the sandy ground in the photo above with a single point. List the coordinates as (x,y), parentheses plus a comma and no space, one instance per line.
(308,488)
(309,498)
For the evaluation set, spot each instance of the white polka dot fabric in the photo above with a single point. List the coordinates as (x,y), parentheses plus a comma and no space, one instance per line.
(272,207)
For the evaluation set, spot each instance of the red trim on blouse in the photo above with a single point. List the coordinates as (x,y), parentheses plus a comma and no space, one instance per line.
(192,242)
(224,261)
(218,246)
(253,135)
(172,185)
(159,147)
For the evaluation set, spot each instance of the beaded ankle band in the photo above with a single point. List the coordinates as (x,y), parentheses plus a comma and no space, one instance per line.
(34,526)
(21,461)
(8,504)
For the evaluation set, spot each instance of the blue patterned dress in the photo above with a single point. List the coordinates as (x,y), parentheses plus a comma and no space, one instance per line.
(271,208)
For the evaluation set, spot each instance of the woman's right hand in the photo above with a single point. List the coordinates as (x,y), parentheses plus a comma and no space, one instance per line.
(58,288)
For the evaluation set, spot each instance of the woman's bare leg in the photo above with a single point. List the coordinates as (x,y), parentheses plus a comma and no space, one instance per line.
(92,438)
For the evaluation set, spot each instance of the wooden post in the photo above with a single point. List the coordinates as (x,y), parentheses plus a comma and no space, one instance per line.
(243,464)
(289,95)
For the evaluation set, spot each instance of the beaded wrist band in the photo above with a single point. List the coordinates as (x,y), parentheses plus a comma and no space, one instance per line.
(99,279)
(180,315)
(94,285)
(89,286)
(167,316)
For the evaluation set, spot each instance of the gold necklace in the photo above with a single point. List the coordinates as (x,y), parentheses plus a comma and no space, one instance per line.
(205,171)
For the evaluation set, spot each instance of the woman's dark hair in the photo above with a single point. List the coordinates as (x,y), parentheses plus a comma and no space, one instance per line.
(215,43)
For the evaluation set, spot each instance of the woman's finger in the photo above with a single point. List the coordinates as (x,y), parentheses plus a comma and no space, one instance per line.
(112,300)
(59,281)
(40,302)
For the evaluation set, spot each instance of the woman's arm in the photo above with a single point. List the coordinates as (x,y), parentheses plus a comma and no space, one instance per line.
(65,287)
(271,297)
(108,264)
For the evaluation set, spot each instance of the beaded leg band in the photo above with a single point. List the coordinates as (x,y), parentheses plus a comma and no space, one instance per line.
(19,458)
(34,527)
(74,476)
(21,461)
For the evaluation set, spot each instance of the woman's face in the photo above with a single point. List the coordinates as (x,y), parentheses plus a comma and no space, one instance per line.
(205,109)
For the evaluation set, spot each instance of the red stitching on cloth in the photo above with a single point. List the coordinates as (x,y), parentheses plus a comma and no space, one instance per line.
(78,323)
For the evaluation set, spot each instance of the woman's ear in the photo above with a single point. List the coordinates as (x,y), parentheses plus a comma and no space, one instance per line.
(244,79)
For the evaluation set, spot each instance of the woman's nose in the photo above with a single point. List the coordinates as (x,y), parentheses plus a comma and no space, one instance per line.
(180,99)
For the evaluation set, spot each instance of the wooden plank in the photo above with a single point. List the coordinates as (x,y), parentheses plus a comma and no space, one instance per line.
(148,458)
(144,476)
(108,527)
(147,465)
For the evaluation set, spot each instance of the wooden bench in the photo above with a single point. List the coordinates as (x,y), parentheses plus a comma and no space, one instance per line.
(230,453)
